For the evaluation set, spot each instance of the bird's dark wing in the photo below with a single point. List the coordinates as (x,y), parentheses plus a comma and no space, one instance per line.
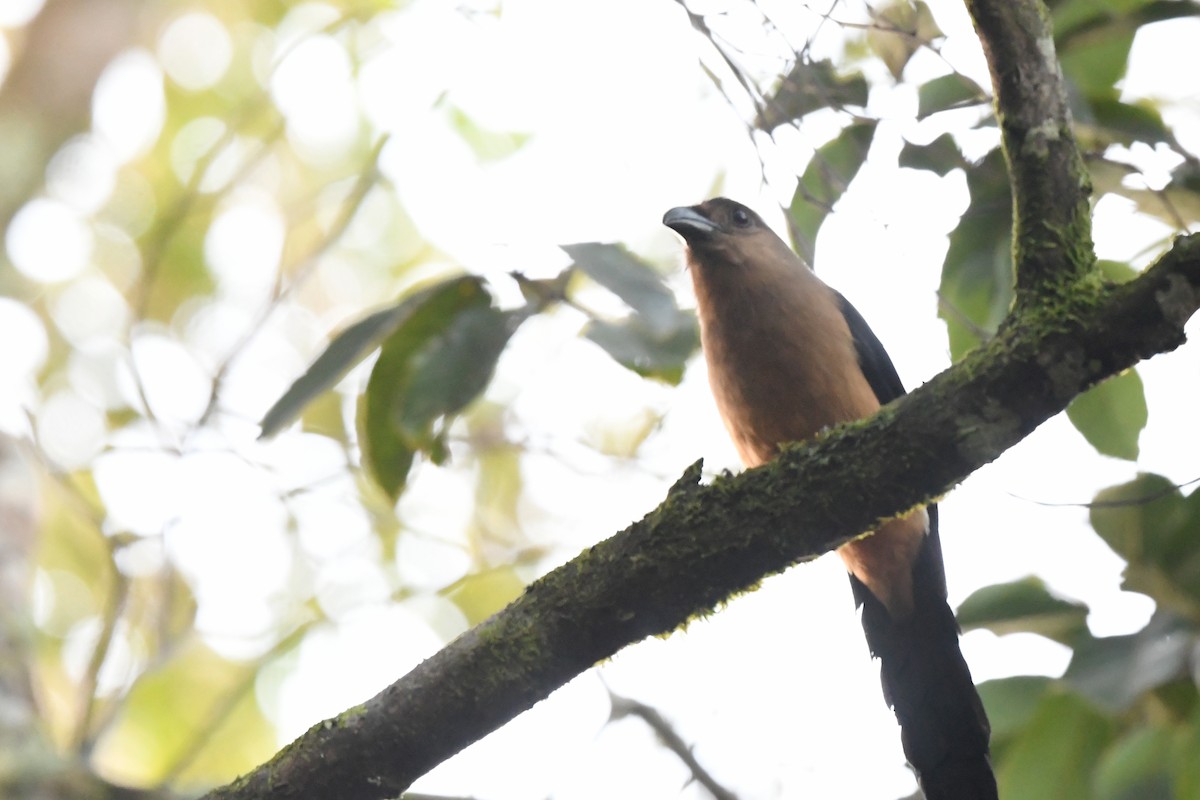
(874,361)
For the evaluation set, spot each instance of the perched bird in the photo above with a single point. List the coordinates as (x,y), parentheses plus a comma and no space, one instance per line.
(787,357)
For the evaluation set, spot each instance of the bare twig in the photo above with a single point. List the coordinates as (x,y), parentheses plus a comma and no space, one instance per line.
(626,707)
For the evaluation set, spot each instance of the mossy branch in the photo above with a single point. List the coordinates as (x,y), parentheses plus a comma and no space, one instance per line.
(1052,228)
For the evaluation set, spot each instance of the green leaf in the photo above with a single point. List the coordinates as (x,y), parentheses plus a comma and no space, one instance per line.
(1011,702)
(1055,756)
(939,156)
(1095,59)
(651,354)
(1126,123)
(657,340)
(1137,767)
(1131,515)
(1024,606)
(1111,415)
(1114,671)
(811,85)
(346,350)
(823,183)
(977,275)
(435,362)
(948,92)
(1149,523)
(454,366)
(630,279)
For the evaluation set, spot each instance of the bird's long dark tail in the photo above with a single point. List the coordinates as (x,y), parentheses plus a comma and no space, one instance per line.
(943,726)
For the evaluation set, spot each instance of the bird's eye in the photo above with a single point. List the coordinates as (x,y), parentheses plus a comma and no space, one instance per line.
(740,217)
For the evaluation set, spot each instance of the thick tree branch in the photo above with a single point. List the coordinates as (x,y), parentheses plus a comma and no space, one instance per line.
(705,544)
(1052,244)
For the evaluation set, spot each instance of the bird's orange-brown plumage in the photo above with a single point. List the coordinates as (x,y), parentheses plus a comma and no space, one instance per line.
(808,380)
(784,364)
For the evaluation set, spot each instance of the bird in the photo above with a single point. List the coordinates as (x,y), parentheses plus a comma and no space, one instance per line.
(789,357)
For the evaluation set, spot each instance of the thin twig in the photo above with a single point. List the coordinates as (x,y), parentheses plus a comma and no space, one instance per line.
(1142,500)
(626,707)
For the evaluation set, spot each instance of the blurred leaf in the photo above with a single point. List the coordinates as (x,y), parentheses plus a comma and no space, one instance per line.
(1149,523)
(454,366)
(344,352)
(1056,756)
(160,723)
(1177,204)
(939,156)
(1126,122)
(808,87)
(488,145)
(324,415)
(1131,515)
(1111,415)
(1023,606)
(1177,700)
(439,358)
(1071,16)
(498,490)
(622,437)
(977,275)
(1093,60)
(1114,671)
(901,28)
(658,339)
(1185,767)
(1011,702)
(541,292)
(1093,36)
(630,279)
(946,92)
(1136,767)
(482,594)
(649,353)
(825,180)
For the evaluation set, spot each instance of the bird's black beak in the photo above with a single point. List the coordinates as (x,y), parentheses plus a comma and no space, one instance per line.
(689,223)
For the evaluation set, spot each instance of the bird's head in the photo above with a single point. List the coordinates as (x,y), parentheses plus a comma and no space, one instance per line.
(723,234)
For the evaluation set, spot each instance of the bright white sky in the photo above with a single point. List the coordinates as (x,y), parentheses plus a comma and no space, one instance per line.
(776,691)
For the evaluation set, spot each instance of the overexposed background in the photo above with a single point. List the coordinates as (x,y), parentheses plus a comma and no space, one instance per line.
(613,122)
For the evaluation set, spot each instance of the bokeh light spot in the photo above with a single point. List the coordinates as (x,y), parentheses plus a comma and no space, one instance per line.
(195,50)
(47,241)
(128,107)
